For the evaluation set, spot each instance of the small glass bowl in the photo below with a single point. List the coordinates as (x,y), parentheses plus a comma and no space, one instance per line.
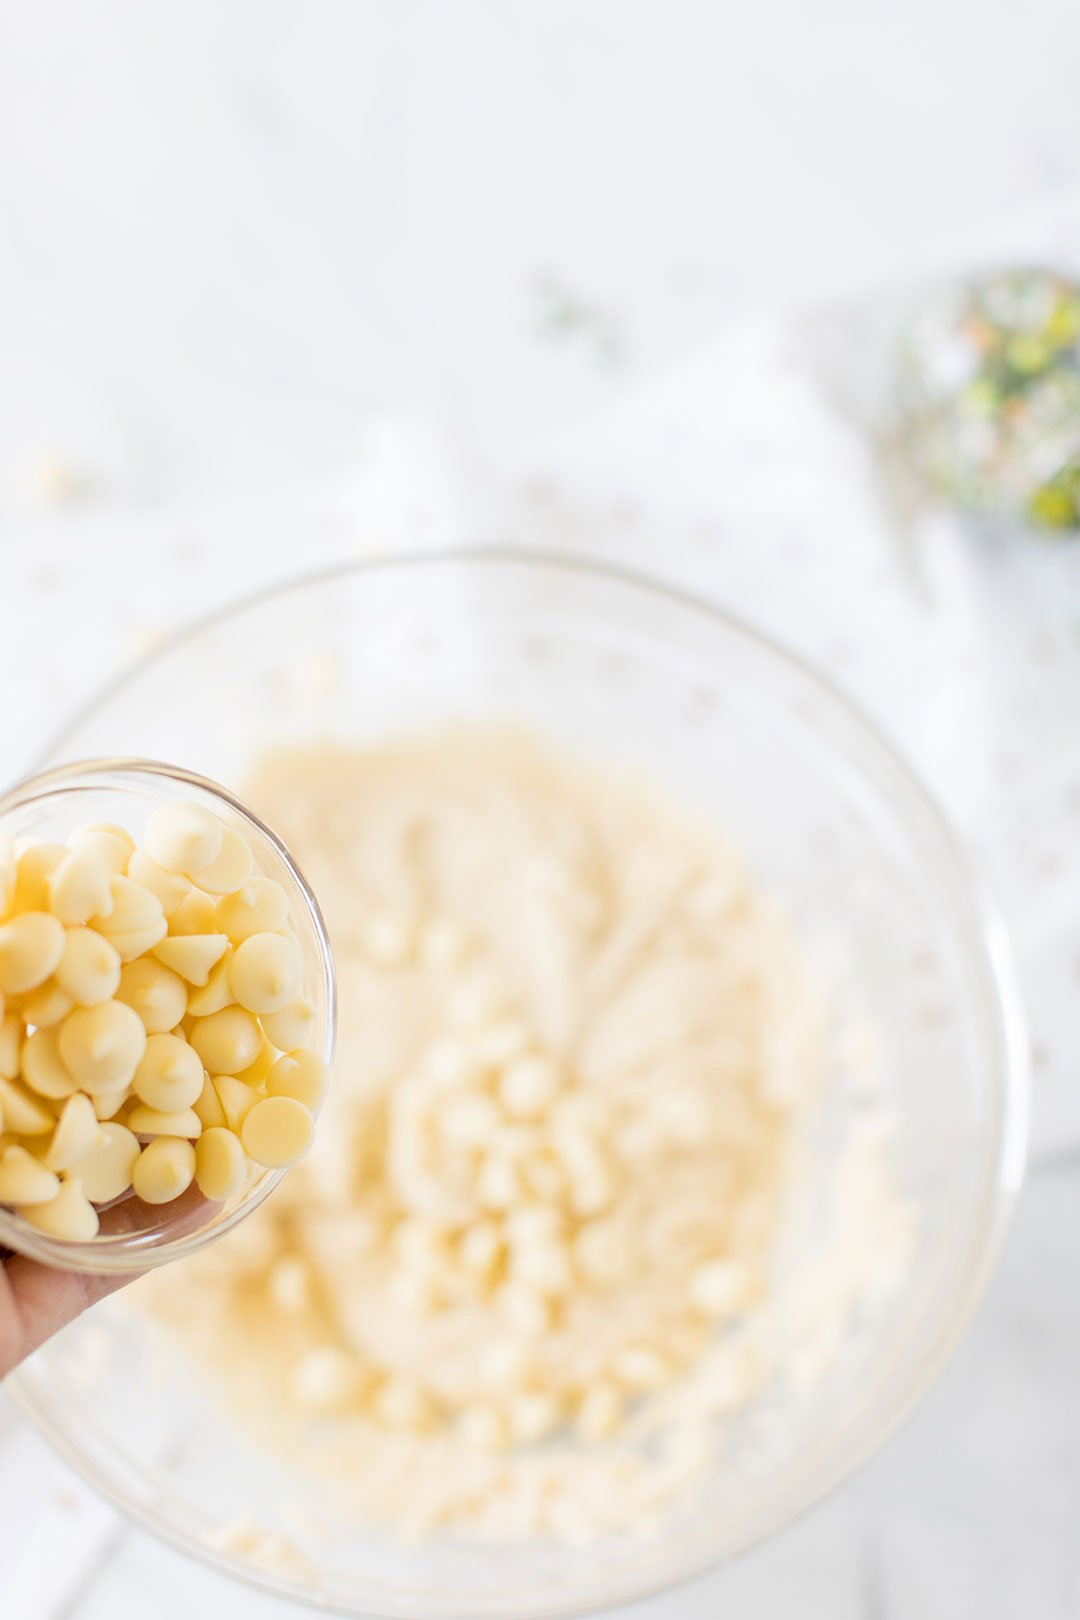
(49,806)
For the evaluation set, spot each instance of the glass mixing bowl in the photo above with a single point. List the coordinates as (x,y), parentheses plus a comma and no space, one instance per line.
(832,823)
(48,807)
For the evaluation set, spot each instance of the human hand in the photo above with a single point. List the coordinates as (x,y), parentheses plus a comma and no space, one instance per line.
(36,1301)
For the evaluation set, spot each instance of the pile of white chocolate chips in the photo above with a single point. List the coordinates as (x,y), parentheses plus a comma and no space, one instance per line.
(575,1047)
(152,1029)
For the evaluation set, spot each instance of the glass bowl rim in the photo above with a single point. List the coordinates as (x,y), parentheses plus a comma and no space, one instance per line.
(1002,1172)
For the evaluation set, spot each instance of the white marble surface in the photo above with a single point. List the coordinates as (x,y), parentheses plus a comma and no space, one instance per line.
(282,284)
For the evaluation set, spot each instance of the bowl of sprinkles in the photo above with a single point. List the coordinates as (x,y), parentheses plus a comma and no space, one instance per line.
(990,397)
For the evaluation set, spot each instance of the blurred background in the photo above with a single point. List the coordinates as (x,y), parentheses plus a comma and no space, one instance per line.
(286,284)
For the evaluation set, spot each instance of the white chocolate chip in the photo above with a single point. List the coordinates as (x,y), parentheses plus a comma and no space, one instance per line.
(220,1164)
(216,993)
(480,1246)
(640,1368)
(293,1028)
(227,1041)
(111,844)
(534,1415)
(106,1170)
(450,1062)
(260,907)
(258,1070)
(44,1068)
(534,1223)
(157,994)
(418,1245)
(528,1085)
(170,1075)
(135,942)
(718,1288)
(603,1252)
(196,914)
(31,946)
(500,1041)
(473,1002)
(524,1308)
(70,1215)
(146,1121)
(545,1265)
(78,888)
(77,1132)
(232,867)
(32,872)
(89,969)
(544,1175)
(387,939)
(265,973)
(594,1193)
(132,909)
(164,1169)
(327,1379)
(102,1046)
(277,1132)
(303,1076)
(600,1411)
(193,956)
(235,1099)
(289,1282)
(170,888)
(108,1104)
(467,1118)
(443,943)
(415,1291)
(46,1005)
(184,837)
(24,1179)
(207,1106)
(402,1404)
(498,1185)
(483,1427)
(22,1112)
(10,1043)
